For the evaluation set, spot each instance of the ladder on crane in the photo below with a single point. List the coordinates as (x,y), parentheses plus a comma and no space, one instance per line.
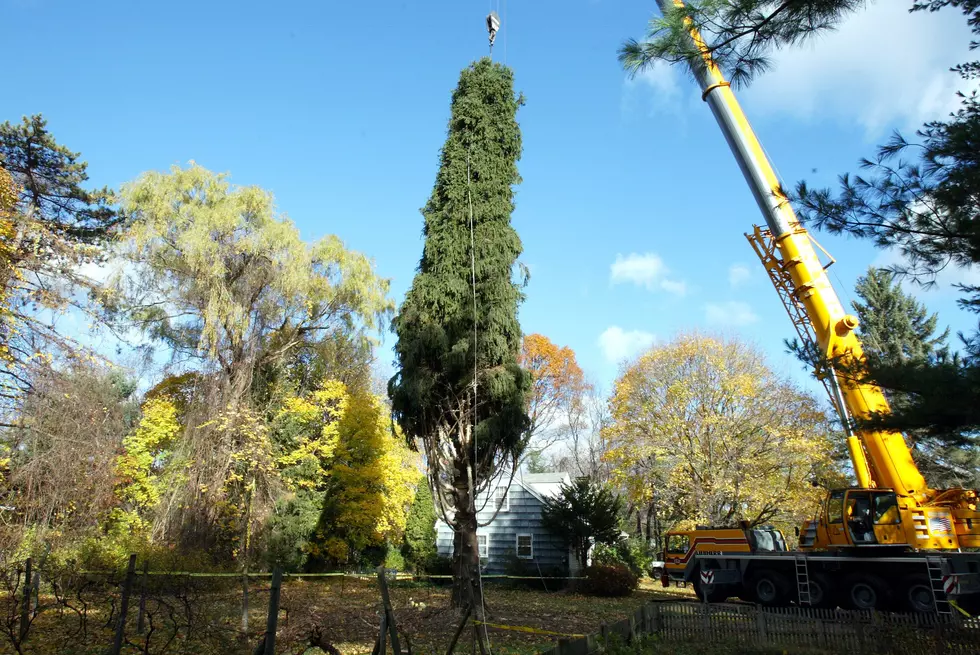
(802,581)
(938,582)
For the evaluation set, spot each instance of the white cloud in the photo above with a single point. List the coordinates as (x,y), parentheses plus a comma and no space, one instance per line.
(737,274)
(675,287)
(732,312)
(883,66)
(618,344)
(647,270)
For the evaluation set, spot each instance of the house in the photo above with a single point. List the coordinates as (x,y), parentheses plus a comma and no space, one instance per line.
(517,529)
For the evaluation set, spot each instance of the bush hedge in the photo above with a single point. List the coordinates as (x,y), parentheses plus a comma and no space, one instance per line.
(610,580)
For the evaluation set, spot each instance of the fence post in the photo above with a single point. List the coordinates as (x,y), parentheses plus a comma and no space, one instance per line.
(123,605)
(245,605)
(25,610)
(273,619)
(36,589)
(140,623)
(390,614)
(655,620)
(760,623)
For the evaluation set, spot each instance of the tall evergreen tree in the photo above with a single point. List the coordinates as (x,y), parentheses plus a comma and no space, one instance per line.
(459,392)
(900,340)
(895,327)
(50,227)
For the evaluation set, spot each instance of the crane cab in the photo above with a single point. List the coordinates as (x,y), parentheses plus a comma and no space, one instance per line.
(858,517)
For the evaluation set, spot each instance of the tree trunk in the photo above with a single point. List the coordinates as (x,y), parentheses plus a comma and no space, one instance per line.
(466,558)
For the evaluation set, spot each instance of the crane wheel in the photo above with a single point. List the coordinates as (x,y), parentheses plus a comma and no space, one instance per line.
(822,591)
(770,588)
(866,592)
(916,596)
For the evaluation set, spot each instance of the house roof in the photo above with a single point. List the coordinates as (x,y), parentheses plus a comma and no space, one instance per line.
(543,485)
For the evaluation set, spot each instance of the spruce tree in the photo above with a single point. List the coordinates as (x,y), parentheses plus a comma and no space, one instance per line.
(459,392)
(900,342)
(895,327)
(420,529)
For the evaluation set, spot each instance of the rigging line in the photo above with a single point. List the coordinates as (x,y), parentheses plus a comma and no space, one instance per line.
(479,572)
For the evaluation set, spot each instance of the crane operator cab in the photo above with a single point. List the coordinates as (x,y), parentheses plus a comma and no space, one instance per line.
(856,517)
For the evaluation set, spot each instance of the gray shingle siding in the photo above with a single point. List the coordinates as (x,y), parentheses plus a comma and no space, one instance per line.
(523,516)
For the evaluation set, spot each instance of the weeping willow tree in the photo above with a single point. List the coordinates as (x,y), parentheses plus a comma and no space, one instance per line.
(460,393)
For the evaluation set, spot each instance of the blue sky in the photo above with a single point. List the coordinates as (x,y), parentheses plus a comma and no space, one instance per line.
(631,210)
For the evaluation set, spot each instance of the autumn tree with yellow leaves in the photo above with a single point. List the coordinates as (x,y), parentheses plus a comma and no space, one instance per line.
(703,432)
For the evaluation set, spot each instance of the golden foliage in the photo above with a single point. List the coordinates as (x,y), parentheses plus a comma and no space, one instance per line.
(372,480)
(558,381)
(703,427)
(139,484)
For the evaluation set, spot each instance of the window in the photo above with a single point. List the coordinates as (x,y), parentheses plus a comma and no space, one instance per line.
(886,509)
(835,507)
(502,499)
(678,543)
(483,546)
(525,546)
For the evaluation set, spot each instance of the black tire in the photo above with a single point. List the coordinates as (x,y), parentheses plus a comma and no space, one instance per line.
(865,592)
(823,592)
(914,594)
(770,588)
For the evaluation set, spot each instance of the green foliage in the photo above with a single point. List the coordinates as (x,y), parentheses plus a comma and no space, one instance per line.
(420,532)
(583,513)
(536,463)
(49,229)
(895,328)
(242,287)
(290,528)
(394,558)
(459,390)
(51,178)
(435,324)
(898,336)
(633,553)
(610,580)
(739,34)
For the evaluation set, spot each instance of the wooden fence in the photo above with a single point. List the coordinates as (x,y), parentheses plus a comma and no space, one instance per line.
(832,631)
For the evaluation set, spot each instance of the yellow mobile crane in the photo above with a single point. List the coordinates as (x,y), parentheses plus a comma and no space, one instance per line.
(891,539)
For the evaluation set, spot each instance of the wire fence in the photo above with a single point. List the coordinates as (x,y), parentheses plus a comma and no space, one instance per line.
(47,608)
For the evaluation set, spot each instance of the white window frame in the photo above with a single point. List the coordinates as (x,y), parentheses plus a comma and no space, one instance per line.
(505,505)
(483,552)
(518,544)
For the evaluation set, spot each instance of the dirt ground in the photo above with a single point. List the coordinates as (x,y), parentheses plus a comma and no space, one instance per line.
(339,614)
(349,618)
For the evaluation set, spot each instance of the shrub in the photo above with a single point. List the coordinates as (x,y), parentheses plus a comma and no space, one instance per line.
(633,553)
(610,580)
(394,558)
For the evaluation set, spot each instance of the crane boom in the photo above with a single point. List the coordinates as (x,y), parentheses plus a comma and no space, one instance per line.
(881,458)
